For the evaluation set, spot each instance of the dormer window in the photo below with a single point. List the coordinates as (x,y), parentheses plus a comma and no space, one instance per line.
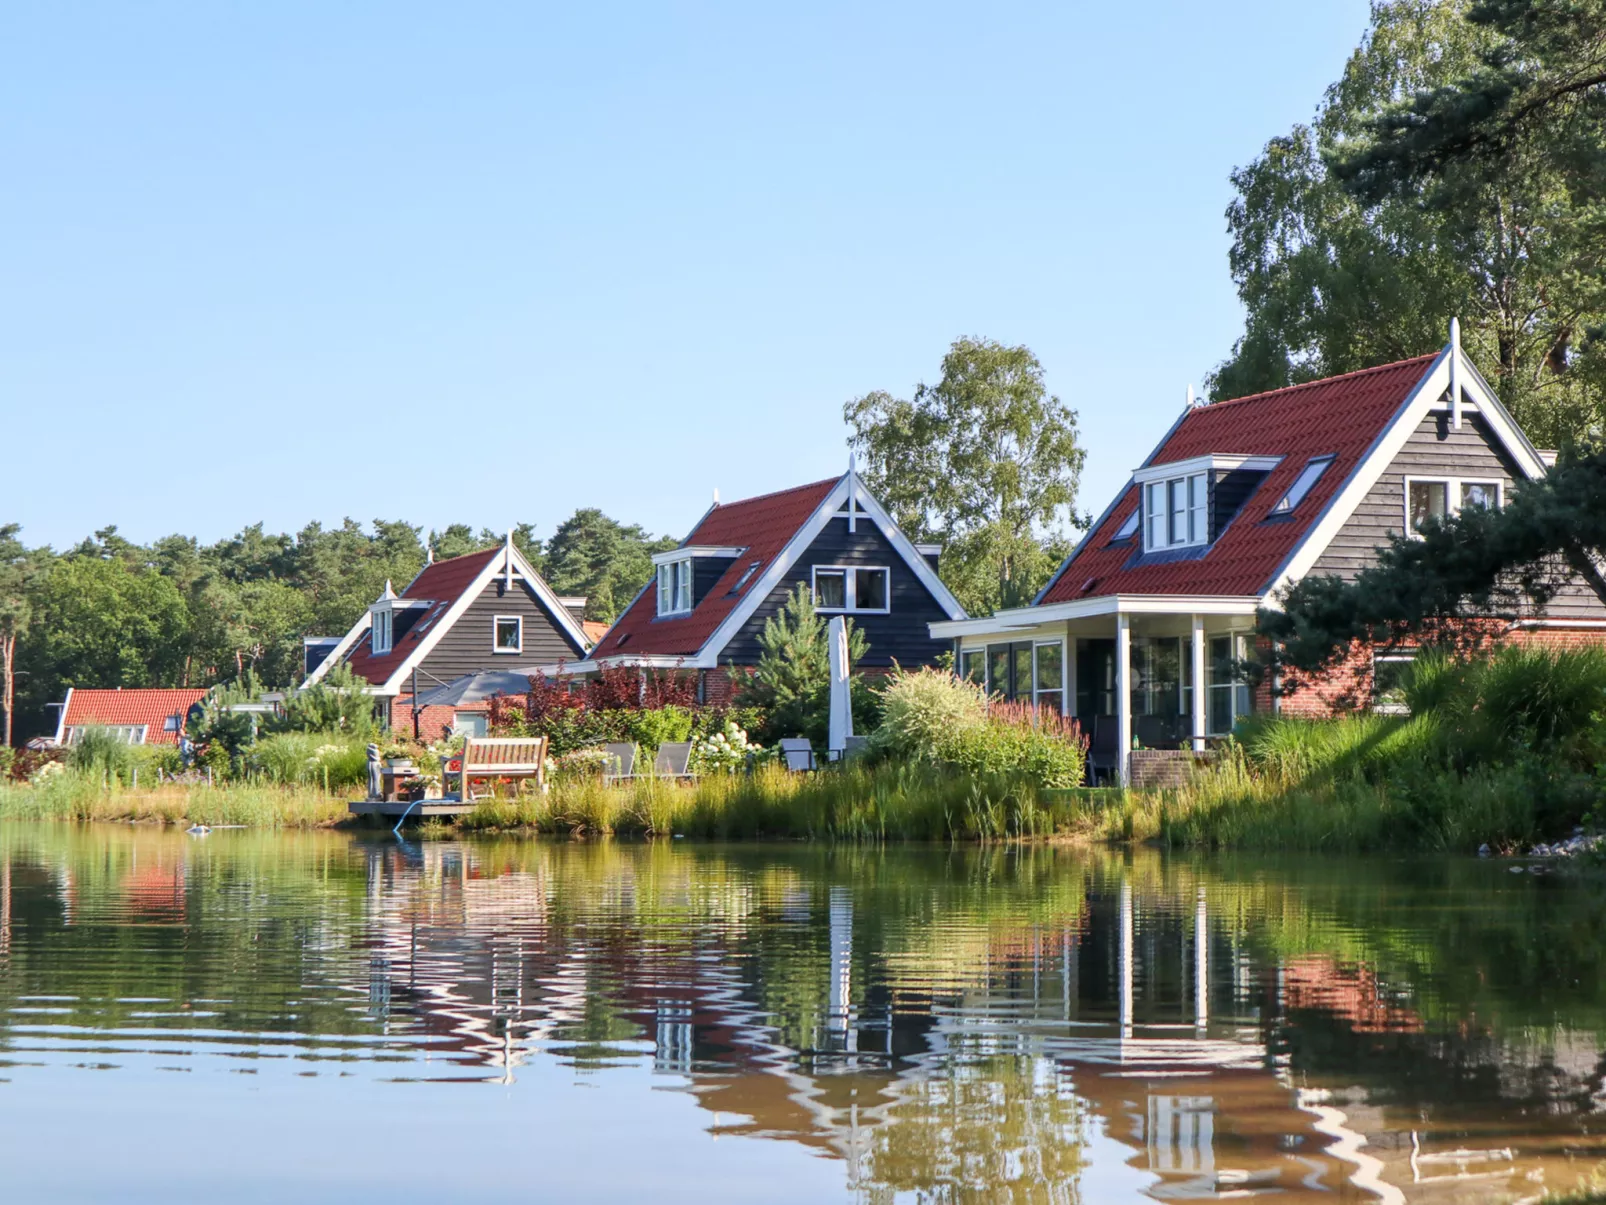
(379,632)
(1176,511)
(1308,477)
(674,587)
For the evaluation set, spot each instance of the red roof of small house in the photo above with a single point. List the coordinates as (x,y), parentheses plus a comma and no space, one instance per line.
(441,583)
(125,708)
(762,527)
(594,629)
(1340,416)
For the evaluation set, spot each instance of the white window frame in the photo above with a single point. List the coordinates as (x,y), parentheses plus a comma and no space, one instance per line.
(127,734)
(1315,468)
(1162,517)
(675,587)
(1236,684)
(383,621)
(850,588)
(1452,495)
(496,622)
(1039,688)
(1397,656)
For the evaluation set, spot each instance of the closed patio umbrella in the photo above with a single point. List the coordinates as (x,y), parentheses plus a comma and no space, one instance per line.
(476,688)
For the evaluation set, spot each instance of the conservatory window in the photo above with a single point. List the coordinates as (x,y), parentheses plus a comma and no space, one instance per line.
(973,666)
(1048,681)
(1228,698)
(674,587)
(508,634)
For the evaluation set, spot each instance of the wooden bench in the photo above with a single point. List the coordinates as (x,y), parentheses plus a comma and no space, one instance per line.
(501,757)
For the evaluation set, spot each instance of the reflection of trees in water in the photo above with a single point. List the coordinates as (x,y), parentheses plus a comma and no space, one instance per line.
(979,1128)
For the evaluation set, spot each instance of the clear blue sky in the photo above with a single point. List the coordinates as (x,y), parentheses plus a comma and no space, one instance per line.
(489,263)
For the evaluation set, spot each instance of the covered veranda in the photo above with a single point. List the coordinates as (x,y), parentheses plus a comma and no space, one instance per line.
(1141,673)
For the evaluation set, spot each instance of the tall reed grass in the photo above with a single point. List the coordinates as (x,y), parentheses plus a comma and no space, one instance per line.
(72,795)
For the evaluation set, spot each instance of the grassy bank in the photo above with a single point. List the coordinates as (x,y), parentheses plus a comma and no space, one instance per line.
(70,796)
(886,802)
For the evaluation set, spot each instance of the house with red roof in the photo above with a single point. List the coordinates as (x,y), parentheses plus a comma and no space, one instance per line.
(487,610)
(136,717)
(1142,634)
(709,598)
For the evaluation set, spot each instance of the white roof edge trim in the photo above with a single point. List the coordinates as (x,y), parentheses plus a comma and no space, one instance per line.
(757,591)
(338,653)
(1385,447)
(1104,514)
(686,551)
(493,566)
(1202,464)
(1422,400)
(61,720)
(1101,604)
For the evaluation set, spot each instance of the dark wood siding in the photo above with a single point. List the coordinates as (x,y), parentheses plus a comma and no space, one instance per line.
(466,647)
(1228,493)
(706,570)
(1435,449)
(900,635)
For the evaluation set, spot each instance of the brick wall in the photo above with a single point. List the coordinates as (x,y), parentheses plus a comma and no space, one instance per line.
(1348,687)
(433,722)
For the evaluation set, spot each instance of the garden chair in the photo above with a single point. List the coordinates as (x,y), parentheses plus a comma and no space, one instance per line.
(673,760)
(1104,749)
(797,753)
(621,763)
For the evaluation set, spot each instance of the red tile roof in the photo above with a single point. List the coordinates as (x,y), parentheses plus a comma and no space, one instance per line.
(1340,416)
(761,527)
(594,629)
(442,583)
(87,708)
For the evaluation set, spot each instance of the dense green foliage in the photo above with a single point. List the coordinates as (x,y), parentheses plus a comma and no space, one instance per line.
(1481,564)
(1502,749)
(790,687)
(1357,238)
(178,613)
(929,716)
(985,462)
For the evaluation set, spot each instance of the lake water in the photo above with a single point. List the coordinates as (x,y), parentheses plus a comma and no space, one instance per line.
(320,1017)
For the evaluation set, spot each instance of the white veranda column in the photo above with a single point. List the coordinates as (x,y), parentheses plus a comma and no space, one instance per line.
(1123,696)
(1199,693)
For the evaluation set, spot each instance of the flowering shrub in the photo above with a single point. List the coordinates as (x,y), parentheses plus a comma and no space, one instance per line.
(923,710)
(724,751)
(576,765)
(45,772)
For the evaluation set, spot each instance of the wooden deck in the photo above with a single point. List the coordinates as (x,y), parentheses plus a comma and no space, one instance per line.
(394,809)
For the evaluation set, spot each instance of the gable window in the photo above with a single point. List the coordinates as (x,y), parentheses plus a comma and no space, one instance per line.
(1439,498)
(674,587)
(379,635)
(852,588)
(1176,512)
(507,634)
(1308,477)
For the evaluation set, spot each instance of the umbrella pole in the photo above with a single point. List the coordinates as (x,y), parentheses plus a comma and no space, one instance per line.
(415,704)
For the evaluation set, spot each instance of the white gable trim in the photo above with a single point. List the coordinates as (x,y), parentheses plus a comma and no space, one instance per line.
(849,487)
(1341,506)
(338,653)
(61,721)
(1423,400)
(509,563)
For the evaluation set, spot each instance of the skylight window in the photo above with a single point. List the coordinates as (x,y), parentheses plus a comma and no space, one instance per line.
(1308,477)
(747,576)
(1130,527)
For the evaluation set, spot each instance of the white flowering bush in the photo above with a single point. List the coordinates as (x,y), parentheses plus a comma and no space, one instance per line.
(45,773)
(725,751)
(577,764)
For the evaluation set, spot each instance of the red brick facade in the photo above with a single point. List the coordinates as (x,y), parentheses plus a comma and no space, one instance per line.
(433,722)
(1348,686)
